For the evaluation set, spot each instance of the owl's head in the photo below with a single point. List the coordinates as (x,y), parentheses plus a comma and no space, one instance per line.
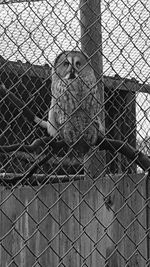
(69,64)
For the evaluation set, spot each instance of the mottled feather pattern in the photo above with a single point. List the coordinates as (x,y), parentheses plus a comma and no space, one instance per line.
(73,108)
(75,103)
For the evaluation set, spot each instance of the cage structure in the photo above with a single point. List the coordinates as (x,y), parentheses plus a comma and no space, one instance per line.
(60,210)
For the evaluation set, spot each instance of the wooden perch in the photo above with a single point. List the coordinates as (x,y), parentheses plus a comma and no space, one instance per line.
(54,146)
(124,148)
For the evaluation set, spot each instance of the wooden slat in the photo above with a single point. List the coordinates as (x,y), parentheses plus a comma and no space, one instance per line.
(120,83)
(48,232)
(117,229)
(69,225)
(129,227)
(19,68)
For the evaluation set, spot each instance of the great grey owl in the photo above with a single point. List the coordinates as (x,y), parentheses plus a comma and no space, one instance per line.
(75,105)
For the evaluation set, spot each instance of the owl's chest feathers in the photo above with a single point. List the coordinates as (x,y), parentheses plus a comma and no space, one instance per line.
(75,106)
(73,100)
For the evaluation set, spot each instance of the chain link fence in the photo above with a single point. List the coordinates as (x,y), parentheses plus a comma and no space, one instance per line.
(56,207)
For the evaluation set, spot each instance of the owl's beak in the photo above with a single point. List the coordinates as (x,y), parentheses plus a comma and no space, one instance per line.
(72,74)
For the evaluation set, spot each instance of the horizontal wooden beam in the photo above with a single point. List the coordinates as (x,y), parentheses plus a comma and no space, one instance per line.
(44,72)
(19,68)
(119,83)
(5,2)
(11,179)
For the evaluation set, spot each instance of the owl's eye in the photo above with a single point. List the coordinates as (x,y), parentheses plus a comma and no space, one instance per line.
(78,64)
(66,63)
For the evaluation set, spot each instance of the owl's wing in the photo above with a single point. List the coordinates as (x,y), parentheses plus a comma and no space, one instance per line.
(57,107)
(52,127)
(95,104)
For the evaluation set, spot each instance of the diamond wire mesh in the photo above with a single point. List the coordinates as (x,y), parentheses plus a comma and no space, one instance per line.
(93,222)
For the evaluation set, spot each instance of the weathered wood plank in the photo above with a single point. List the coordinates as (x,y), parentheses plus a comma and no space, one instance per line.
(113,219)
(29,231)
(129,227)
(93,239)
(120,83)
(69,225)
(96,241)
(12,229)
(48,226)
(77,224)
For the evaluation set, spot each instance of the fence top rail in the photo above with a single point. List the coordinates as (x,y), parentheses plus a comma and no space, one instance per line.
(11,179)
(6,2)
(44,72)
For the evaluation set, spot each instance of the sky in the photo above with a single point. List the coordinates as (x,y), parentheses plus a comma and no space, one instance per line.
(38,31)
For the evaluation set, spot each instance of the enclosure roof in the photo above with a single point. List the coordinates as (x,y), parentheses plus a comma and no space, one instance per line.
(44,72)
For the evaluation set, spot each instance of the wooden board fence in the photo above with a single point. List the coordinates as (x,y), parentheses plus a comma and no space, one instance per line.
(75,224)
